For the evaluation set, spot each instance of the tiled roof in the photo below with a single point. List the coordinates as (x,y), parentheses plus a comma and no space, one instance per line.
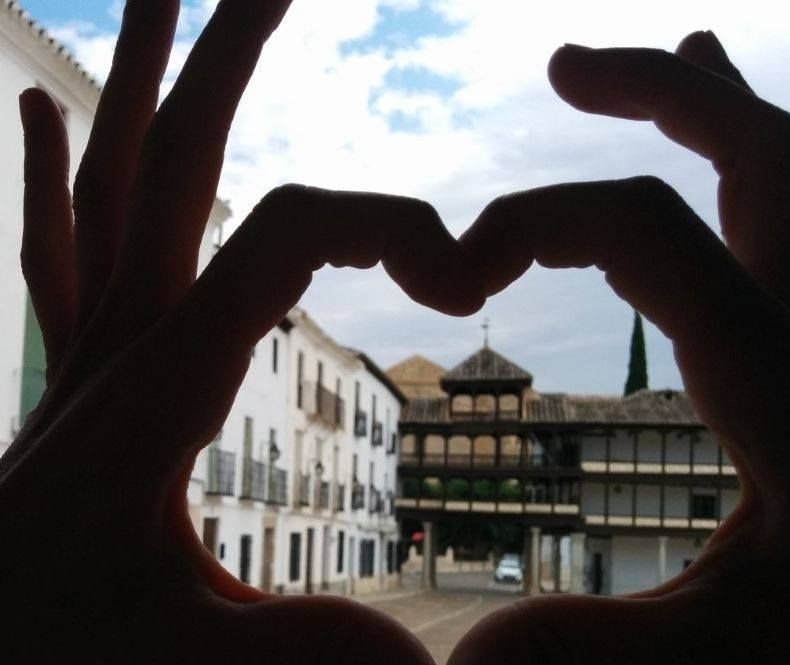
(417,377)
(487,365)
(14,9)
(646,407)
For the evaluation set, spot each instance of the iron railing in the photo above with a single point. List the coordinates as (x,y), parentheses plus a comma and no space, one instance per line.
(278,487)
(253,480)
(304,490)
(340,498)
(323,495)
(358,496)
(360,423)
(221,472)
(377,438)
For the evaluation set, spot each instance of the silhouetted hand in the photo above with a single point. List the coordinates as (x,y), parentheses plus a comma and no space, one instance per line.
(99,562)
(725,310)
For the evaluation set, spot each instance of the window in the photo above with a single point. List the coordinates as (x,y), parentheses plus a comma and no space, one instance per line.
(367,558)
(210,533)
(320,373)
(294,567)
(356,395)
(341,544)
(245,559)
(299,378)
(275,352)
(703,507)
(391,557)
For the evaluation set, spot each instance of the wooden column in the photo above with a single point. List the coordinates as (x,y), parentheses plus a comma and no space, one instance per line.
(577,563)
(532,561)
(429,556)
(556,561)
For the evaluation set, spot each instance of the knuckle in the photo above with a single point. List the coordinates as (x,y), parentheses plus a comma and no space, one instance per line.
(650,194)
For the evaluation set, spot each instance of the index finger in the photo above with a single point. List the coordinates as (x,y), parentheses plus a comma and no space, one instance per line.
(702,111)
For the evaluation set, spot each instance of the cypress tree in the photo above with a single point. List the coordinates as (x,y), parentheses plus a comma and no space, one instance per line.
(637,364)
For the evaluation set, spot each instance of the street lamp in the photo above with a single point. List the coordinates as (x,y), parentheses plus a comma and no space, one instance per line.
(319,469)
(274,452)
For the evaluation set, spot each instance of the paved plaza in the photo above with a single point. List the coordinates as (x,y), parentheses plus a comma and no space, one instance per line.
(440,618)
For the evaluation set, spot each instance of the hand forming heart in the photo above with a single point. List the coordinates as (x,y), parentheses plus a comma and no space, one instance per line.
(104,565)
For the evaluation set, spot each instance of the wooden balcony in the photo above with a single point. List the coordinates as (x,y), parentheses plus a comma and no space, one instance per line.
(594,467)
(501,506)
(652,522)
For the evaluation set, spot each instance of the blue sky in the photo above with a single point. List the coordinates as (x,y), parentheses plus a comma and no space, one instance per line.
(52,12)
(447,100)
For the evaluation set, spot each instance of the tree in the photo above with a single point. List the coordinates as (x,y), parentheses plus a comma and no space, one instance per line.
(637,364)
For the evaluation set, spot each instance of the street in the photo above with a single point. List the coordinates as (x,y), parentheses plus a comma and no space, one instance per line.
(440,618)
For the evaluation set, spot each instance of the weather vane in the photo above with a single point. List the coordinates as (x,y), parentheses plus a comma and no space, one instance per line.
(486,327)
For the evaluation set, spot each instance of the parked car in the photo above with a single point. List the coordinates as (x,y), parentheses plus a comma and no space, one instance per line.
(509,569)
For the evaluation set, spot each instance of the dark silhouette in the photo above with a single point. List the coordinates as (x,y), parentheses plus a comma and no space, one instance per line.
(637,360)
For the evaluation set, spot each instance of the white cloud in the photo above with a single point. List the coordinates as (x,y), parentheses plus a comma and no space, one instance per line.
(307,116)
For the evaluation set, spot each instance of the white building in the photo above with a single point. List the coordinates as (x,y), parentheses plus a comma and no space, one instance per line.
(297,494)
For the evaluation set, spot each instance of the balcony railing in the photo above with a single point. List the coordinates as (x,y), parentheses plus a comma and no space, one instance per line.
(278,487)
(304,490)
(253,480)
(358,496)
(488,461)
(360,423)
(376,504)
(667,468)
(340,498)
(221,472)
(324,405)
(323,495)
(505,414)
(378,434)
(491,505)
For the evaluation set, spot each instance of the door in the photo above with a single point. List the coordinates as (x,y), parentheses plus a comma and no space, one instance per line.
(267,572)
(326,555)
(597,573)
(308,573)
(245,558)
(210,533)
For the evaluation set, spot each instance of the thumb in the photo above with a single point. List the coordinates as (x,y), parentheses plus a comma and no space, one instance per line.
(687,627)
(321,629)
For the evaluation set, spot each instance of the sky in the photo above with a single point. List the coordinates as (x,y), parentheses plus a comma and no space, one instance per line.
(448,101)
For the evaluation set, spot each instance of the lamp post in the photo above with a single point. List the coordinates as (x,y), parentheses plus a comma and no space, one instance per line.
(274,455)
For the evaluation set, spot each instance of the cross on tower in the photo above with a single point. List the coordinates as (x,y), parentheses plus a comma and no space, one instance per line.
(486,327)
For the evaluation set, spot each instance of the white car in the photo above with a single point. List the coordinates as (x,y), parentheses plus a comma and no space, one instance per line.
(509,570)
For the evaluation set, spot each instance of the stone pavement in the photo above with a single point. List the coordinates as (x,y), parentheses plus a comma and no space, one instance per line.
(440,618)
